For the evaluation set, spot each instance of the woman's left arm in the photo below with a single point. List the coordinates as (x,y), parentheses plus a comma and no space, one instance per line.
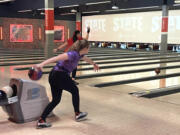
(88,60)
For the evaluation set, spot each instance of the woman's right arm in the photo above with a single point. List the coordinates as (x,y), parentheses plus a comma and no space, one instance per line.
(60,47)
(87,35)
(63,56)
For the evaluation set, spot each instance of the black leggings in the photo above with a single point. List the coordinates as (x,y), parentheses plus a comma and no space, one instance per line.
(74,73)
(58,81)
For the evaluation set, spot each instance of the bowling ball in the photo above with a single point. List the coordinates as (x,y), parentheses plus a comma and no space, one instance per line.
(35,73)
(8,90)
(157,71)
(3,95)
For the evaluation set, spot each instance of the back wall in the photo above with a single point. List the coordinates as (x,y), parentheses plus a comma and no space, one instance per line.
(36,23)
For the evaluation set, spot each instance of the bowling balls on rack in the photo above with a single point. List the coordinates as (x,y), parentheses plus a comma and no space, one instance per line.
(3,95)
(8,90)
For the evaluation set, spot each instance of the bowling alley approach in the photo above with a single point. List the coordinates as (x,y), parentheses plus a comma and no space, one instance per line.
(89,67)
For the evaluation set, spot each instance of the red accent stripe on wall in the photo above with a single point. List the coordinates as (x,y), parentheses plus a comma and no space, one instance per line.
(49,20)
(40,33)
(1,36)
(78,25)
(164,24)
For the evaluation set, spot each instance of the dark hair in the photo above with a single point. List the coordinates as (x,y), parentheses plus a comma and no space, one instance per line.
(79,45)
(75,38)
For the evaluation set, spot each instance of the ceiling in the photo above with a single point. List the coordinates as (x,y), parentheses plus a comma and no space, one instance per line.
(32,8)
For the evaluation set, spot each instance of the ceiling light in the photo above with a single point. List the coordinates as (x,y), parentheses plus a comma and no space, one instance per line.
(95,3)
(40,9)
(73,10)
(67,14)
(68,6)
(90,12)
(176,5)
(114,10)
(22,11)
(132,9)
(3,1)
(177,1)
(115,7)
(144,7)
(42,13)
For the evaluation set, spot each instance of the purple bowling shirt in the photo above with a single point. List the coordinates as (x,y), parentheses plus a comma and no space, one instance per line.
(70,64)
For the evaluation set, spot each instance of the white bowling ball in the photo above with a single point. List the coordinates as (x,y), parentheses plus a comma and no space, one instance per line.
(8,90)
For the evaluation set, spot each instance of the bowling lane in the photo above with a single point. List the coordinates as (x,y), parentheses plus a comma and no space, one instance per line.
(105,54)
(111,64)
(20,61)
(111,61)
(5,60)
(27,57)
(140,86)
(48,68)
(8,72)
(120,66)
(130,76)
(118,69)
